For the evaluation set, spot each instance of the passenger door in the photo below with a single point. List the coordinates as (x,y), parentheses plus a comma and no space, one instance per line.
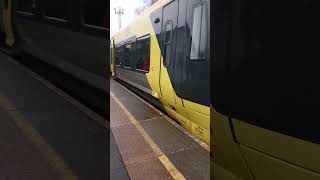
(195,82)
(168,45)
(196,68)
(273,95)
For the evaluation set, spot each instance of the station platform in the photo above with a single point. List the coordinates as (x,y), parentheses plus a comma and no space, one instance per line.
(46,134)
(152,145)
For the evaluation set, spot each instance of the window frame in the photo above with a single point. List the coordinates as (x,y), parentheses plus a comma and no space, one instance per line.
(124,47)
(56,19)
(88,26)
(203,6)
(147,36)
(165,44)
(118,46)
(23,13)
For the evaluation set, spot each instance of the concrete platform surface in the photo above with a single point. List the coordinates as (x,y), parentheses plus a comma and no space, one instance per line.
(145,138)
(43,135)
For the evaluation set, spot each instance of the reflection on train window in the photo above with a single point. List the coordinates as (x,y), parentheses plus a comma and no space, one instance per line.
(25,6)
(57,9)
(118,55)
(168,42)
(95,13)
(143,53)
(127,55)
(199,33)
(273,82)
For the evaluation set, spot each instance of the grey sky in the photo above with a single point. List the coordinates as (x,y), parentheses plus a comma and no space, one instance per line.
(129,6)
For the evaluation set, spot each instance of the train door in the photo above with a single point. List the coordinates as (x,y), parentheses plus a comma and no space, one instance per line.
(8,22)
(273,99)
(195,79)
(169,24)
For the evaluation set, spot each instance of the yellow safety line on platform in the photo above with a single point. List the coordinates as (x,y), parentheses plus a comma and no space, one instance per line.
(161,156)
(170,120)
(54,161)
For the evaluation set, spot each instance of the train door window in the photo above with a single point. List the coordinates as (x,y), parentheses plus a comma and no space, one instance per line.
(57,9)
(199,33)
(167,44)
(195,68)
(143,53)
(25,6)
(95,13)
(127,55)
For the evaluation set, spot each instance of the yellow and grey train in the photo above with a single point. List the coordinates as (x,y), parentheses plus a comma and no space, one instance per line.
(165,53)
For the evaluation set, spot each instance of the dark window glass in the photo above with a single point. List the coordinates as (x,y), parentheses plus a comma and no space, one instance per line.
(57,9)
(168,42)
(199,33)
(143,53)
(204,33)
(133,55)
(112,54)
(274,69)
(119,50)
(95,13)
(168,31)
(127,55)
(25,6)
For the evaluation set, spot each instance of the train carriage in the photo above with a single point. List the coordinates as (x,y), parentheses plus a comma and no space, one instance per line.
(165,53)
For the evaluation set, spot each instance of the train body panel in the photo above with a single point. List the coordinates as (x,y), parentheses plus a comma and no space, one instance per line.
(265,99)
(160,77)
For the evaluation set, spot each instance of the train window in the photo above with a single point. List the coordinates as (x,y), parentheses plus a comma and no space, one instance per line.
(143,53)
(111,53)
(127,55)
(118,55)
(274,68)
(25,6)
(199,33)
(167,42)
(57,9)
(95,13)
